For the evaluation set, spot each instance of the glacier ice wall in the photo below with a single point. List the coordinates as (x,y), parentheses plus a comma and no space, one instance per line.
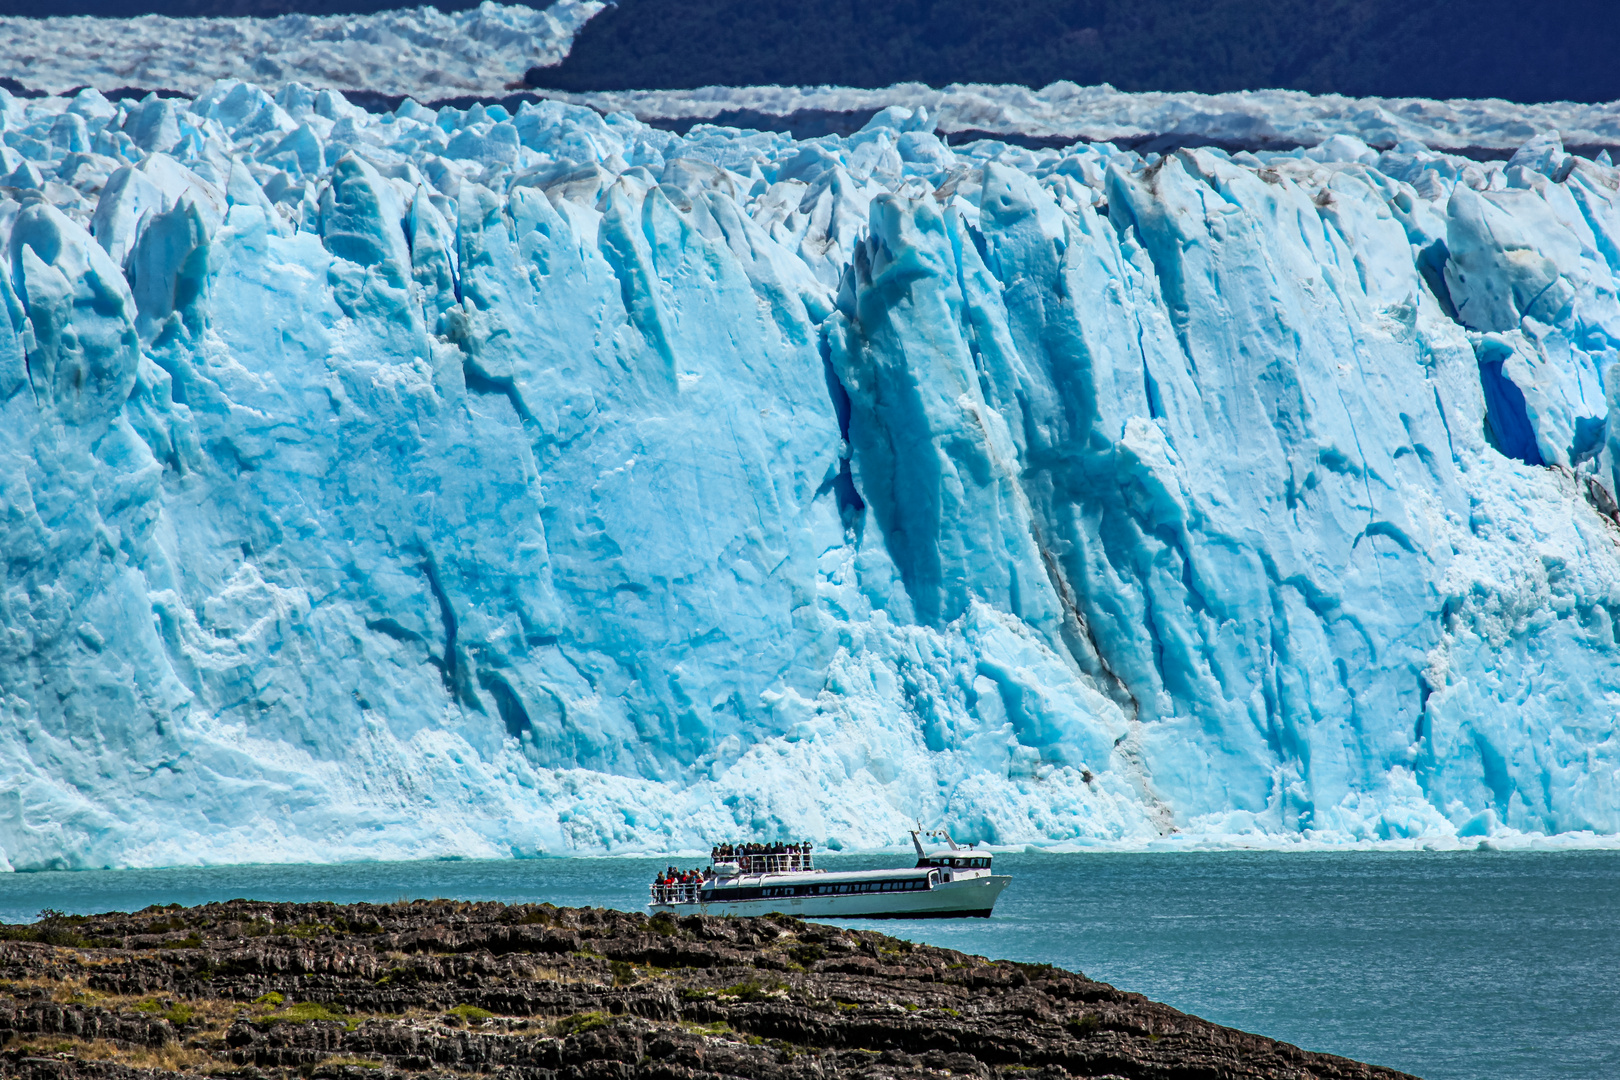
(463,482)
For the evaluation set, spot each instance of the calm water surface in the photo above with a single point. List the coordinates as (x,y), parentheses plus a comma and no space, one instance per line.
(1456,966)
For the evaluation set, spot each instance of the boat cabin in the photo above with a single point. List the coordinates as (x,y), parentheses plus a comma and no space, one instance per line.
(954,860)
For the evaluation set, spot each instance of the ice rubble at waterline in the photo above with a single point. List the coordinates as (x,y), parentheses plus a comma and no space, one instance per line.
(483,484)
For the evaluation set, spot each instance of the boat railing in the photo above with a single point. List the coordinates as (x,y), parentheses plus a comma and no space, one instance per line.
(680,893)
(792,862)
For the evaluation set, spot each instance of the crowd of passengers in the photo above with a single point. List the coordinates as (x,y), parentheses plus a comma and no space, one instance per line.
(728,853)
(733,851)
(672,876)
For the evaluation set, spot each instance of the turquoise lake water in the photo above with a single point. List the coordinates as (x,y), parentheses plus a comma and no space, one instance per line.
(1452,966)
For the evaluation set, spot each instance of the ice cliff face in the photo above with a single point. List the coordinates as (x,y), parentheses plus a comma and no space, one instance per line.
(464,482)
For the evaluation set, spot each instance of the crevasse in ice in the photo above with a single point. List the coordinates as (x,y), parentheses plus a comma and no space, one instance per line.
(463,482)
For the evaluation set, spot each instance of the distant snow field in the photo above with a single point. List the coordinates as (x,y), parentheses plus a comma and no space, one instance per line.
(418,51)
(430,56)
(1101,113)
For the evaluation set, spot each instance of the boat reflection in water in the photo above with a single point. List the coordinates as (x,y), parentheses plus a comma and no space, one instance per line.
(947,882)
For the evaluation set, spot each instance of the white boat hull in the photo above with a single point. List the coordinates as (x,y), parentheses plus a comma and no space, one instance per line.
(964,897)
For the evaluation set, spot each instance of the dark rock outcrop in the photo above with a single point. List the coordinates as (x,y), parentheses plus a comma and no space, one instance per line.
(541,993)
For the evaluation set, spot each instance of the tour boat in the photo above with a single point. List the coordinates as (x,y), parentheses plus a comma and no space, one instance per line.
(948,882)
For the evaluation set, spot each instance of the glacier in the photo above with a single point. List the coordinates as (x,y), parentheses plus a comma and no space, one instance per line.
(487,483)
(1270,119)
(486,51)
(419,51)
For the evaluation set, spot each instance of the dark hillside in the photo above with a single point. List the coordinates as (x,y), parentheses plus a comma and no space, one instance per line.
(443,990)
(1557,50)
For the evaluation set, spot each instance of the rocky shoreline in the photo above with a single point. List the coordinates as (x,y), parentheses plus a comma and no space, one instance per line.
(444,988)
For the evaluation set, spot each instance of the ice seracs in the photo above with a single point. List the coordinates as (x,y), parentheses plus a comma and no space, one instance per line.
(492,483)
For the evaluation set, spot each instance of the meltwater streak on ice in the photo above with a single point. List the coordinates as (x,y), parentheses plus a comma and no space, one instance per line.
(464,482)
(1453,966)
